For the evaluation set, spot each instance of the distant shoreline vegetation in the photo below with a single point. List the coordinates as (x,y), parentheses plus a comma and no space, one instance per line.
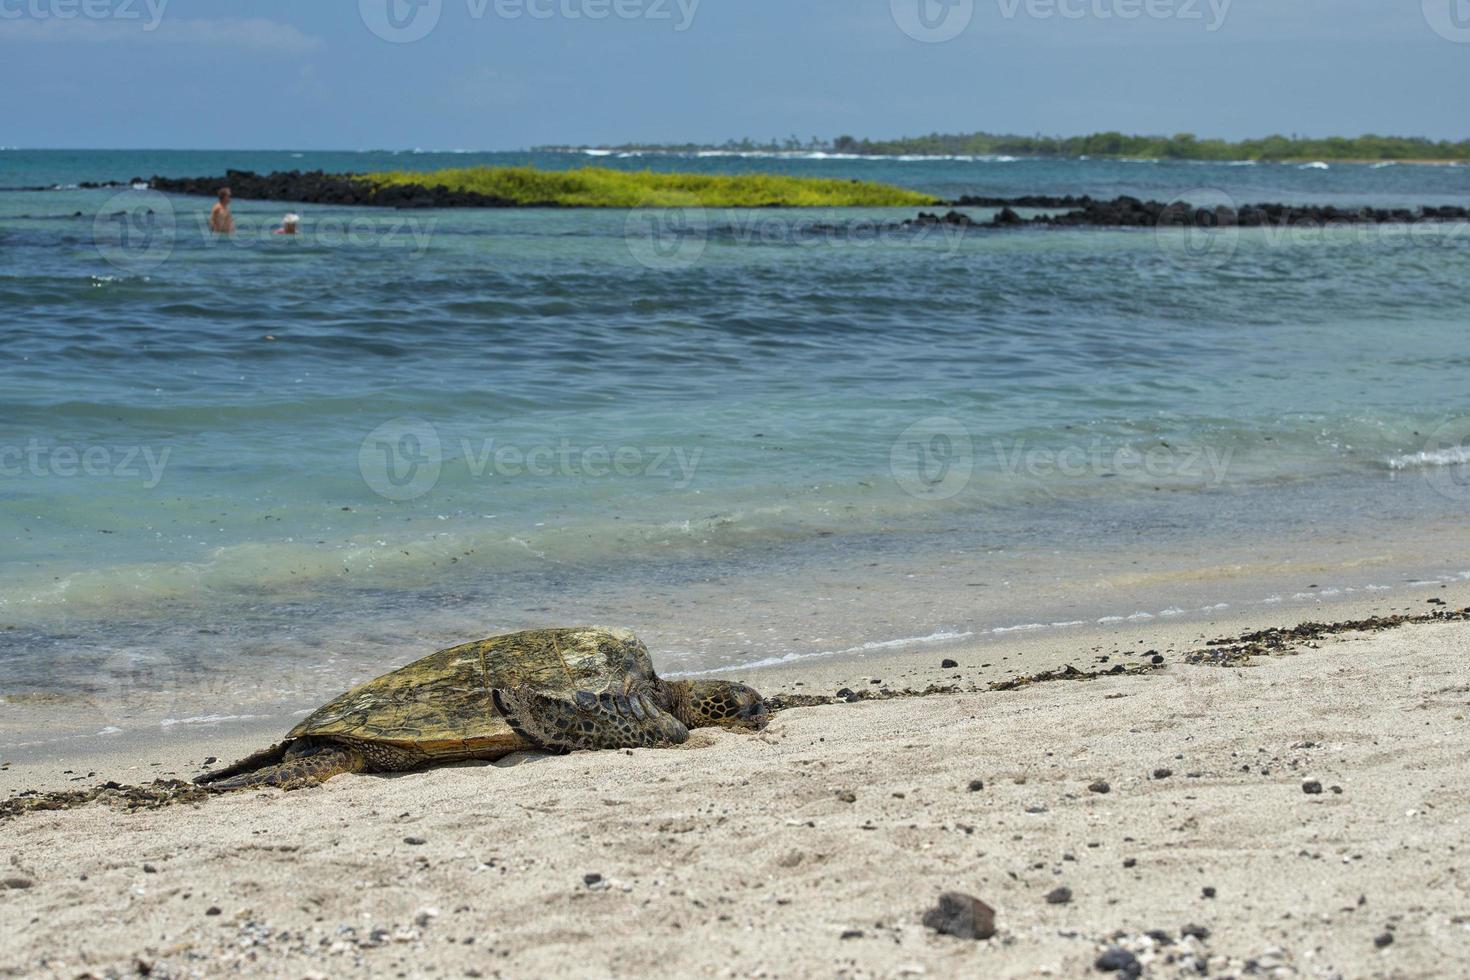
(1183,146)
(596,187)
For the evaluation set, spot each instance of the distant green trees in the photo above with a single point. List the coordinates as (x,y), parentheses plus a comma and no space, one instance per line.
(1181,146)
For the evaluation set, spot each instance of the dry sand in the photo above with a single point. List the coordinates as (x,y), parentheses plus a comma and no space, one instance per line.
(814,848)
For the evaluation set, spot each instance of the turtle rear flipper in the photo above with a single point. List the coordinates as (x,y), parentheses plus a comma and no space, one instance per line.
(259,760)
(588,721)
(304,764)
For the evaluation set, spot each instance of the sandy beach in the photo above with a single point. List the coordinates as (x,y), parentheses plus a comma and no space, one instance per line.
(1297,814)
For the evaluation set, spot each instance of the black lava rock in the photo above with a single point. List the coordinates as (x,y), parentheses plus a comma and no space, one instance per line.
(976,785)
(1312,788)
(1059,896)
(961,915)
(1099,787)
(947,664)
(1118,960)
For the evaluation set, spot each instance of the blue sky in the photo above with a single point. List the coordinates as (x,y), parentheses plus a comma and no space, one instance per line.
(507,74)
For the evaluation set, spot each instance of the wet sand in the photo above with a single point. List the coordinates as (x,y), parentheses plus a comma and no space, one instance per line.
(1178,798)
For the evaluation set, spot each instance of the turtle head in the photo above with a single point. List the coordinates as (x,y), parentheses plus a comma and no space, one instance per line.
(717,704)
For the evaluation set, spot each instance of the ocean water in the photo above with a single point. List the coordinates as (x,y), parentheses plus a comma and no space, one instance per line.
(275,465)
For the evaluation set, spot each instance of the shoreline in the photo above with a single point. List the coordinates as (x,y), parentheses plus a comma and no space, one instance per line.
(162,700)
(836,829)
(997,660)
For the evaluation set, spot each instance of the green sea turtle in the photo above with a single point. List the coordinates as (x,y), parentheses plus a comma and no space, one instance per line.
(554,690)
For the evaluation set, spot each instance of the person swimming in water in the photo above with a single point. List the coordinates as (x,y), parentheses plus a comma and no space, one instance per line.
(290,224)
(221,221)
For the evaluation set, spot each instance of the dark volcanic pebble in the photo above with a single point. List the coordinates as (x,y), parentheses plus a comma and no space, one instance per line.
(1059,896)
(1163,773)
(851,934)
(846,694)
(1311,787)
(947,664)
(16,882)
(976,785)
(1208,891)
(1157,658)
(591,879)
(1198,932)
(415,841)
(1130,862)
(1100,787)
(1385,939)
(213,910)
(1119,960)
(965,916)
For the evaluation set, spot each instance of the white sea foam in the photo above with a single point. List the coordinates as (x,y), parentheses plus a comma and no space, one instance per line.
(942,636)
(1449,456)
(1315,165)
(208,720)
(1024,627)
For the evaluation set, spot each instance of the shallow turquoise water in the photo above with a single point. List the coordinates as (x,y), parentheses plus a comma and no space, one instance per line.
(494,419)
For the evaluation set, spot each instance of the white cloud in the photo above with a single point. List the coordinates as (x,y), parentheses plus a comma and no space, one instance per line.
(255,33)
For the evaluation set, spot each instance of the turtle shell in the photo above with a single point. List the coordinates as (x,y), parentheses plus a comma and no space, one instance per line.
(442,706)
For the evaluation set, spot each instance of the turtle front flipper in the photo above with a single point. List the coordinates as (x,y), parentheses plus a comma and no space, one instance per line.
(588,721)
(305,763)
